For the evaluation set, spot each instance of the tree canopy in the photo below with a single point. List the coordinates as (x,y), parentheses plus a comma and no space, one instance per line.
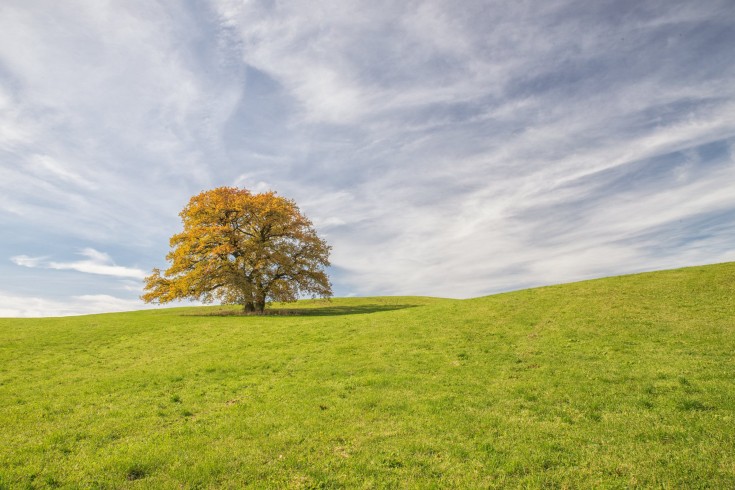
(242,248)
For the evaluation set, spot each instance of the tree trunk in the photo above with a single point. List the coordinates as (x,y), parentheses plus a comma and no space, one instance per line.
(248,307)
(260,294)
(260,306)
(260,303)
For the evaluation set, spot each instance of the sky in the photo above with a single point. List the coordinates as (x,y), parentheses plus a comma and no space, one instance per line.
(443,148)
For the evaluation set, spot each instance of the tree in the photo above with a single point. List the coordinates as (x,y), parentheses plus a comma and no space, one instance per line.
(242,248)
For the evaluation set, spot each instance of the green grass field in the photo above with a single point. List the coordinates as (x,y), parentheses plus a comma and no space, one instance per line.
(614,383)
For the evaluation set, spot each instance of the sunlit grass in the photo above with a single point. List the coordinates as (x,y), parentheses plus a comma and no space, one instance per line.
(614,383)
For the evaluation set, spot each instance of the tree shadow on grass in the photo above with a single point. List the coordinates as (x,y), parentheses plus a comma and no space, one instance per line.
(333,310)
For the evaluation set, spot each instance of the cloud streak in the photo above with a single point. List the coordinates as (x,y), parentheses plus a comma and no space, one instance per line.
(95,263)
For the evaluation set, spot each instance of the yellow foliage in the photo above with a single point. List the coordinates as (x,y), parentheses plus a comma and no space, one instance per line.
(242,248)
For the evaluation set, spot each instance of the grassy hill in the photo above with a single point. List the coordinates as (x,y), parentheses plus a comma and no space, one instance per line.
(620,382)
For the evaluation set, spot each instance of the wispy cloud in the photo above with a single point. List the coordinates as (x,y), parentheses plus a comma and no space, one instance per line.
(482,143)
(95,263)
(95,135)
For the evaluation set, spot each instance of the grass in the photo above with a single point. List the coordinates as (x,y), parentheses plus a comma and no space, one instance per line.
(615,383)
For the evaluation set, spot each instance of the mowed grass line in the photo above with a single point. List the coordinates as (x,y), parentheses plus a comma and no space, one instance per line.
(614,383)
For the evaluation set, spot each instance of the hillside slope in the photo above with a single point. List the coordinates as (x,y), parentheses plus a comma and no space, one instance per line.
(620,382)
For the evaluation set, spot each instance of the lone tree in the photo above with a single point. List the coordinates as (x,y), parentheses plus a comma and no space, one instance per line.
(242,248)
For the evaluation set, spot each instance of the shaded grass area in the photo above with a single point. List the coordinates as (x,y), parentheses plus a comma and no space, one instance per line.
(336,307)
(615,383)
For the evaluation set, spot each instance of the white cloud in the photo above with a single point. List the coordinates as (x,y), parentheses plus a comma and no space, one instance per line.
(96,263)
(26,261)
(252,184)
(46,167)
(330,222)
(13,305)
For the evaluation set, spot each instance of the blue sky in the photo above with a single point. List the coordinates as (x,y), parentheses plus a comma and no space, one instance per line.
(442,148)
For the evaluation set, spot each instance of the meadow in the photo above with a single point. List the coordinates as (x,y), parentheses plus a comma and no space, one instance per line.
(621,382)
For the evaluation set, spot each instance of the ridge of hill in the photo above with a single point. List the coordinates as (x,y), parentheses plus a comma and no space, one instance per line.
(618,382)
